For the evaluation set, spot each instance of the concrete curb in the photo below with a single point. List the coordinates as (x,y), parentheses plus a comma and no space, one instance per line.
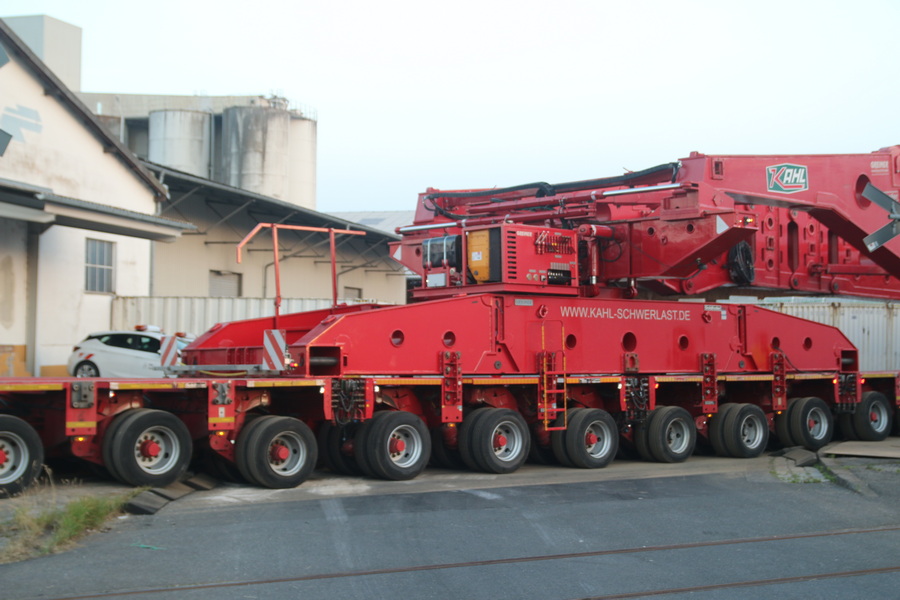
(152,501)
(844,477)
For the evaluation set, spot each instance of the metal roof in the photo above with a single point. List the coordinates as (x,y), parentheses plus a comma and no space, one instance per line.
(180,183)
(385,220)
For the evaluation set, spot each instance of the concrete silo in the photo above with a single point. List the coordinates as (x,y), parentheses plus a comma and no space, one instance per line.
(180,139)
(255,149)
(302,170)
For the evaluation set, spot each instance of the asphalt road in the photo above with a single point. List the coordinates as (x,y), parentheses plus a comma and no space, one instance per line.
(709,528)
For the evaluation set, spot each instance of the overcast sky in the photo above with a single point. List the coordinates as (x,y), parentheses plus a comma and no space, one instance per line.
(465,94)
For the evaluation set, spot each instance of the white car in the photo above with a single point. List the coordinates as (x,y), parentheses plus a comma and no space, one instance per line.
(121,353)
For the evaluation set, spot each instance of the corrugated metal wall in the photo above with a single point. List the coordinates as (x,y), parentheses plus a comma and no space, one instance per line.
(196,315)
(873,327)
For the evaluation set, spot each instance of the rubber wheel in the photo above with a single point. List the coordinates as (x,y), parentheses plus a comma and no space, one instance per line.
(873,419)
(716,429)
(151,447)
(442,456)
(397,446)
(322,442)
(86,369)
(344,464)
(672,435)
(592,439)
(107,446)
(279,452)
(465,436)
(360,454)
(783,425)
(21,455)
(812,425)
(846,426)
(500,441)
(242,446)
(746,431)
(641,444)
(558,438)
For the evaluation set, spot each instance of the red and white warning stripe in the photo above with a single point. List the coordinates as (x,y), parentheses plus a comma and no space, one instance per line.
(168,351)
(274,349)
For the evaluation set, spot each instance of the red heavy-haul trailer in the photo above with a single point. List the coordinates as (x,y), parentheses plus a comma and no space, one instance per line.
(540,328)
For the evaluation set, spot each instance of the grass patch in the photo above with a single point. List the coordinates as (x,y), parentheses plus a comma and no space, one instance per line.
(43,525)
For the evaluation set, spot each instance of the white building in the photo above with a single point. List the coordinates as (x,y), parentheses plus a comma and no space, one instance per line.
(77,216)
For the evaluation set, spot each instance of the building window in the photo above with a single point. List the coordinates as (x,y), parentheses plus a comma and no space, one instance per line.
(100,273)
(224,284)
(352,293)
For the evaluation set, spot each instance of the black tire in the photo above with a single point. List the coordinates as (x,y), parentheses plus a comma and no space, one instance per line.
(398,446)
(672,435)
(360,454)
(558,438)
(641,430)
(500,441)
(746,431)
(812,424)
(280,452)
(442,456)
(152,447)
(846,427)
(592,439)
(243,447)
(465,437)
(344,464)
(322,433)
(21,455)
(717,427)
(109,454)
(783,425)
(86,369)
(873,419)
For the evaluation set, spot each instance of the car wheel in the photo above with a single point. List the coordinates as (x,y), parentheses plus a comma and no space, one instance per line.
(86,369)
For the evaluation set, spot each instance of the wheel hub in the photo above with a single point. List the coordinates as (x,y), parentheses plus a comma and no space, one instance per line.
(500,441)
(591,438)
(279,453)
(873,417)
(397,446)
(149,449)
(3,457)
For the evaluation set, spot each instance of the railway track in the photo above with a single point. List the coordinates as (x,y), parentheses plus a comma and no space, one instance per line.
(175,591)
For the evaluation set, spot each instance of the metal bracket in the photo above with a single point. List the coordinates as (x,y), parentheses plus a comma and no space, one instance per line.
(83,394)
(222,395)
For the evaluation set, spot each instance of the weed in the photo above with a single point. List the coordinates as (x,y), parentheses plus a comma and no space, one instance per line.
(43,523)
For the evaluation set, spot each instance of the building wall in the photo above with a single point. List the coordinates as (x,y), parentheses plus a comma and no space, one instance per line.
(182,268)
(52,149)
(13,296)
(55,42)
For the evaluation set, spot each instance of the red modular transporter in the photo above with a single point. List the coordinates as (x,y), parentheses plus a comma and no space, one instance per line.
(536,329)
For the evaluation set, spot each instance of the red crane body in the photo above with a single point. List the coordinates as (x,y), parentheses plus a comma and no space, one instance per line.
(547,323)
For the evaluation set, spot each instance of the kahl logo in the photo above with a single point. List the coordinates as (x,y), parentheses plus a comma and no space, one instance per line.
(787,179)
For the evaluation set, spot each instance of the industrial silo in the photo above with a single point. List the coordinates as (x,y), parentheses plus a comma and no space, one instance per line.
(255,149)
(180,139)
(302,170)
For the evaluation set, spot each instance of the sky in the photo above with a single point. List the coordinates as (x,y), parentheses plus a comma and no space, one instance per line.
(477,94)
